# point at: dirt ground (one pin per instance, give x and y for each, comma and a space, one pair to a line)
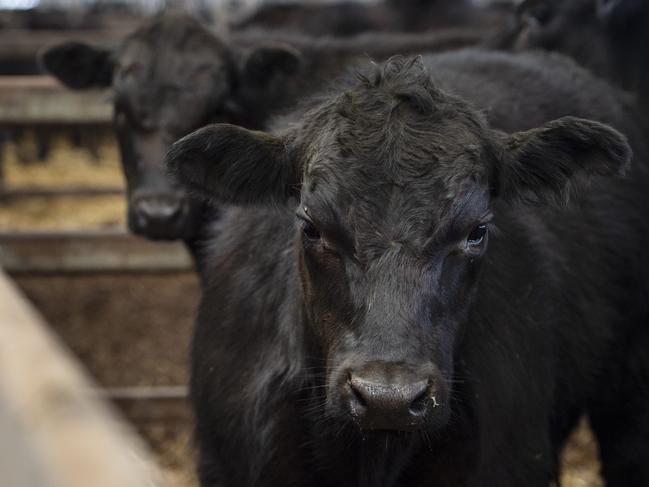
134, 329
128, 329
172, 445
580, 463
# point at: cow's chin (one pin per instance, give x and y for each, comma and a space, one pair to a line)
390, 440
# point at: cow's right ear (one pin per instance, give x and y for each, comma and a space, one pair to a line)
550, 163
234, 165
79, 66
266, 62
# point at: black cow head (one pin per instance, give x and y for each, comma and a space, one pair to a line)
396, 182
173, 75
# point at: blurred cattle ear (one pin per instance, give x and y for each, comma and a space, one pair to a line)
549, 163
79, 66
234, 165
267, 61
619, 12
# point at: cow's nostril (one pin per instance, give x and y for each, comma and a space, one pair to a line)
419, 404
159, 208
357, 401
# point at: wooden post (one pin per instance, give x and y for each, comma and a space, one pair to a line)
54, 432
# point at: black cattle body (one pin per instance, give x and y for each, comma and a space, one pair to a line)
174, 75
403, 295
608, 37
352, 18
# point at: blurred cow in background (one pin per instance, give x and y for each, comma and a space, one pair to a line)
610, 37
349, 18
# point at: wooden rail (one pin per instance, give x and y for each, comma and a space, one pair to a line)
41, 100
28, 43
89, 252
52, 433
68, 191
144, 404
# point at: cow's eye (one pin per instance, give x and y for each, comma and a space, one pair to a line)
477, 236
310, 232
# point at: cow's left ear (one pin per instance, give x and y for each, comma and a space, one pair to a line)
79, 66
547, 164
265, 62
234, 165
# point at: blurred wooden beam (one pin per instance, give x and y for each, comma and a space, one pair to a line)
151, 403
74, 191
89, 252
28, 43
33, 100
53, 433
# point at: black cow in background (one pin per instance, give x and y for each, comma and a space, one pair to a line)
422, 15
350, 18
402, 296
610, 37
174, 75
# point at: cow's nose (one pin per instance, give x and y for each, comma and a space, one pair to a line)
158, 215
158, 207
389, 406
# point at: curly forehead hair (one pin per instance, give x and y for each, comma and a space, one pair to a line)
395, 115
402, 82
174, 28
399, 80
